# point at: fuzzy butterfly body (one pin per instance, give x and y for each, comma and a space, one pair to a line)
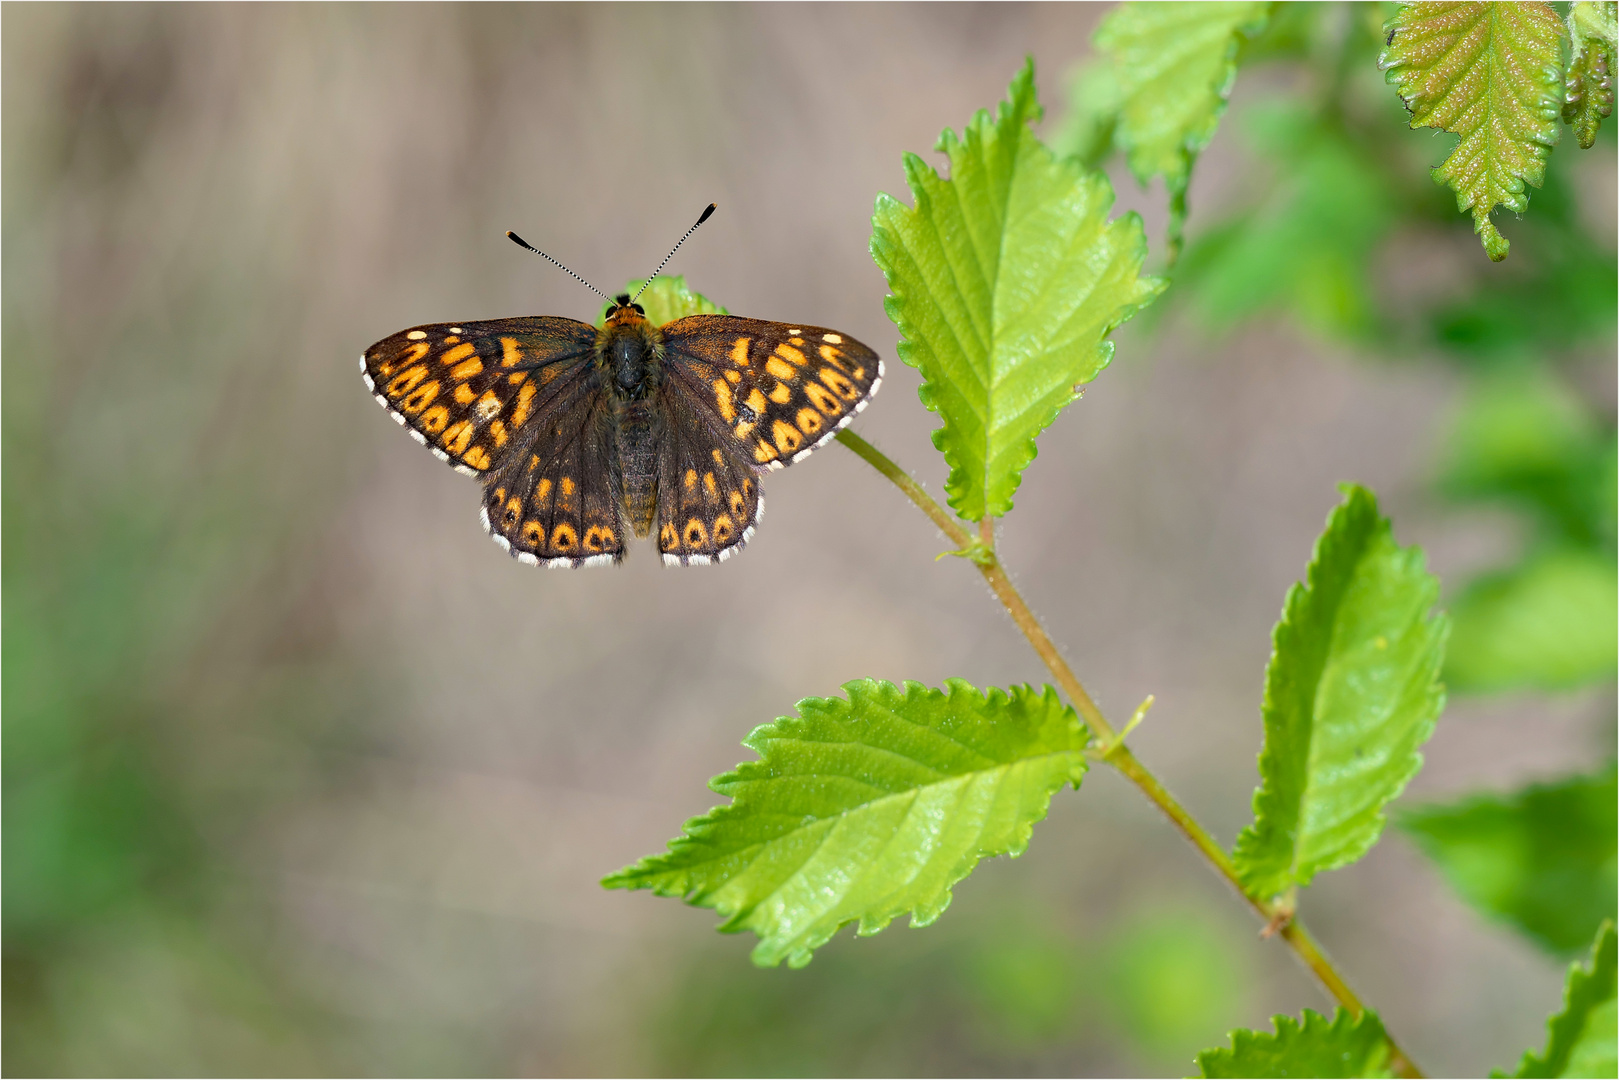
585, 436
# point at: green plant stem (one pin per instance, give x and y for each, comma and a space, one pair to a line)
1278, 915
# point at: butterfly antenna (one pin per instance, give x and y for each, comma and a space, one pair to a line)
520, 242
672, 251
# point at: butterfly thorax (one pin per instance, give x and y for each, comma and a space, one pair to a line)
629, 352
629, 355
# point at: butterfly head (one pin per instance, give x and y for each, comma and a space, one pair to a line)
625, 311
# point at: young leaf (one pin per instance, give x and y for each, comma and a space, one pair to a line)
1347, 1046
1541, 859
1588, 93
1351, 692
1005, 279
1173, 66
868, 808
1580, 1040
1492, 74
1086, 134
668, 299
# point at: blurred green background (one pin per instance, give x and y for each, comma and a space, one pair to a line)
302, 775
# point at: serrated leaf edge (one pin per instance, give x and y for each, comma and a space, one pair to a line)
634, 877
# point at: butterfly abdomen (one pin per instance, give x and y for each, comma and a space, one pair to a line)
637, 426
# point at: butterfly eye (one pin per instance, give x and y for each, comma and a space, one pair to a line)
639, 310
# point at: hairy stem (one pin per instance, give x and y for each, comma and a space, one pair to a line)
1278, 915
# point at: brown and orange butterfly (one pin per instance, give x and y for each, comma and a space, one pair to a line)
583, 436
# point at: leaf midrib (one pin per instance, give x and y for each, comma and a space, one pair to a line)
832, 819
912, 794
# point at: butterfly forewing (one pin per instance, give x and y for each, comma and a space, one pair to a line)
776, 390
555, 501
466, 390
708, 496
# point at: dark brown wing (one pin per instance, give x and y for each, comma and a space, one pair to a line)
466, 390
555, 501
776, 390
708, 495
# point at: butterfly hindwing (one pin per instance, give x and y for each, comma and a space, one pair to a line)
555, 501
466, 390
778, 389
708, 496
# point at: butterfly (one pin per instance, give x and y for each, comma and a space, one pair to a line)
583, 437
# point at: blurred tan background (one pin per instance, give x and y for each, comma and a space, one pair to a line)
304, 775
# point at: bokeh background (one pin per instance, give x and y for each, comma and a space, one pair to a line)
303, 775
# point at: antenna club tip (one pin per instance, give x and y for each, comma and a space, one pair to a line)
706, 214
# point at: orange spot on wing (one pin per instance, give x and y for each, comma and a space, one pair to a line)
406, 381
542, 492
599, 538
763, 452
722, 399
787, 437
510, 354
839, 385
780, 370
411, 354
756, 400
464, 394
419, 399
563, 537
711, 487
468, 369
723, 530
533, 533
822, 398
458, 437
809, 421
690, 479
781, 393
497, 431
832, 356
739, 351
694, 534
477, 457
790, 354
434, 419
457, 354
525, 399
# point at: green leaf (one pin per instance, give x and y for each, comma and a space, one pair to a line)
1086, 134
1521, 437
1173, 67
1549, 624
1588, 89
1351, 692
1308, 247
1580, 1040
1541, 859
868, 808
1492, 74
1347, 1046
1006, 280
668, 299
